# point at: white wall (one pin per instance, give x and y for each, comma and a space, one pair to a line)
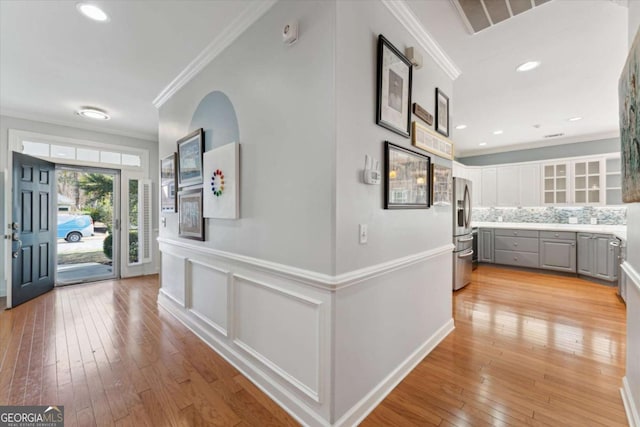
381, 322
632, 375
7, 123
284, 102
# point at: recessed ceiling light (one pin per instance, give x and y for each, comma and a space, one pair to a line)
93, 113
575, 119
92, 11
482, 144
528, 66
498, 132
461, 127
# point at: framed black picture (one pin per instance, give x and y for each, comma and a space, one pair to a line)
407, 183
190, 149
190, 220
394, 89
169, 198
442, 113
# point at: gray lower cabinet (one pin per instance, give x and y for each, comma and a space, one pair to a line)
516, 247
485, 245
558, 251
596, 258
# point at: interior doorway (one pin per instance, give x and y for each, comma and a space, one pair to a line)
87, 218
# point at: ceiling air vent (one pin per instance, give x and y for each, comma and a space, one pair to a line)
480, 14
554, 135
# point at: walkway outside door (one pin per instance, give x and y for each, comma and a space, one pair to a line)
33, 228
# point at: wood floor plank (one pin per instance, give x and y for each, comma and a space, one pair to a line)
528, 350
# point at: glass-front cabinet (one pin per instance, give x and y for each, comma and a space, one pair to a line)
587, 182
556, 183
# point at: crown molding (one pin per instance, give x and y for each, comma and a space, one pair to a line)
43, 118
228, 35
409, 20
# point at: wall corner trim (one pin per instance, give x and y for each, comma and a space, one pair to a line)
633, 274
238, 26
360, 410
408, 19
629, 407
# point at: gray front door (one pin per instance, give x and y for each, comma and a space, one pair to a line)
33, 228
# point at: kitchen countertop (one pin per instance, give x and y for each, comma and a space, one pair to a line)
620, 231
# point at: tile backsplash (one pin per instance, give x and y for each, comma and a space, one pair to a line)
553, 215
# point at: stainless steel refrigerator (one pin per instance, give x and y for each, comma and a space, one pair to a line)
462, 233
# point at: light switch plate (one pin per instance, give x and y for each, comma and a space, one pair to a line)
364, 234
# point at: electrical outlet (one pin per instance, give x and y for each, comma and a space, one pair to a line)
364, 234
573, 220
499, 219
594, 221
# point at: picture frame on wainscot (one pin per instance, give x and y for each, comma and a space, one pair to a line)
191, 219
395, 74
190, 149
407, 178
442, 113
168, 199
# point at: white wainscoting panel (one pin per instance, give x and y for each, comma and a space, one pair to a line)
209, 294
281, 329
631, 383
173, 277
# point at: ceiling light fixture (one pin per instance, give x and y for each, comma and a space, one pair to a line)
461, 127
482, 144
575, 119
498, 132
92, 11
528, 66
93, 113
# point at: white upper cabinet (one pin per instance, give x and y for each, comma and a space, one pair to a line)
475, 176
588, 182
555, 183
529, 179
508, 185
489, 186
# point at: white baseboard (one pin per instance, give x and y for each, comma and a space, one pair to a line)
629, 406
294, 406
360, 410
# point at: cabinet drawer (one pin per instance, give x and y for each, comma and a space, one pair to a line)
520, 259
516, 232
561, 235
520, 244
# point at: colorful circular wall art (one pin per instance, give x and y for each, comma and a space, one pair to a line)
217, 182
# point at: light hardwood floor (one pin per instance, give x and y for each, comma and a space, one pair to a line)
528, 349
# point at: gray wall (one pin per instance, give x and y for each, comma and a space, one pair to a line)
586, 148
284, 103
392, 233
7, 123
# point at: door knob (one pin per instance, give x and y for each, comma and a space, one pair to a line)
15, 226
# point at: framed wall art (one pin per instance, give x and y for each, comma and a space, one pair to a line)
190, 220
222, 189
629, 110
428, 140
394, 89
190, 150
168, 200
442, 113
442, 190
407, 182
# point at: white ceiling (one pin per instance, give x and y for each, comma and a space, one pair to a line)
582, 45
54, 60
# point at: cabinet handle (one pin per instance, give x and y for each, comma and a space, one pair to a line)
515, 233
556, 235
515, 244
515, 258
